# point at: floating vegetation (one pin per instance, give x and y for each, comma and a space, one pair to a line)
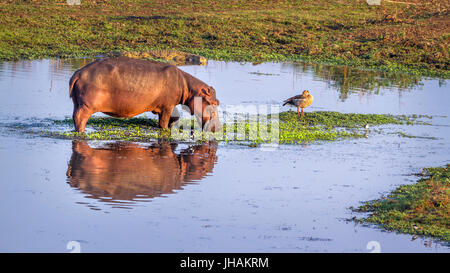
402, 134
251, 131
263, 74
422, 208
114, 122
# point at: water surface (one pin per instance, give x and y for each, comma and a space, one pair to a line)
161, 197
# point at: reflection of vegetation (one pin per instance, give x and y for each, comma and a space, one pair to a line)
313, 126
57, 67
346, 79
422, 208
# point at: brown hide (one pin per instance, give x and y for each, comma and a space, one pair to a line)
125, 87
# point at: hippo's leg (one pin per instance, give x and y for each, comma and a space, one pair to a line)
174, 117
164, 118
80, 118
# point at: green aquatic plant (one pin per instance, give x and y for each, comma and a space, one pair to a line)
116, 122
402, 134
336, 119
288, 129
422, 208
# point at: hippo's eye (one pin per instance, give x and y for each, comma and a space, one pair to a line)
206, 91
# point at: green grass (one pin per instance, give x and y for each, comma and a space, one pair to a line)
422, 208
314, 126
115, 122
336, 119
390, 37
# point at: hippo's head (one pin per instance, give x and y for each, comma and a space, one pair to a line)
204, 106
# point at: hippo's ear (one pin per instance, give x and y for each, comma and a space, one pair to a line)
209, 96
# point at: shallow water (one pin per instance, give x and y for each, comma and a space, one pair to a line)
131, 197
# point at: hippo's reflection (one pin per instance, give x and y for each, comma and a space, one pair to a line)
121, 171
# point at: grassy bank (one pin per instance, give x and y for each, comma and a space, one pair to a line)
412, 37
422, 208
314, 126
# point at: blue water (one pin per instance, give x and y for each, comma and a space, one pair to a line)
152, 197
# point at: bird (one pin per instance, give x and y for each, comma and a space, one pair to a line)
301, 101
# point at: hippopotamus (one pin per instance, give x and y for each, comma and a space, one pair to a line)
125, 87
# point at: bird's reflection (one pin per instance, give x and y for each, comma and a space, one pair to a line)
121, 172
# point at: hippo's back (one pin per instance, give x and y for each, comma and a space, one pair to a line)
124, 87
124, 70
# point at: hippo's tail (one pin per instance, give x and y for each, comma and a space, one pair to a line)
72, 82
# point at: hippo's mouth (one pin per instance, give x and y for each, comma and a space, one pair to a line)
211, 122
212, 125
